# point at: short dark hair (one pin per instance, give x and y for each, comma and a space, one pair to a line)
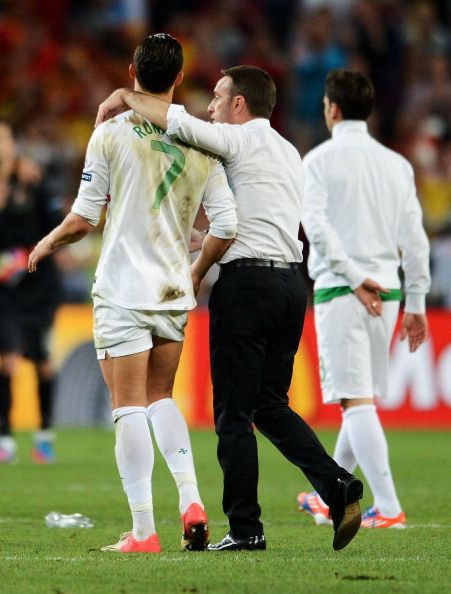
353, 92
158, 60
256, 86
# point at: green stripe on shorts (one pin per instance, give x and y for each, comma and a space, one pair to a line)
323, 295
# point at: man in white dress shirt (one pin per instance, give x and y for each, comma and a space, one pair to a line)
152, 187
258, 304
363, 220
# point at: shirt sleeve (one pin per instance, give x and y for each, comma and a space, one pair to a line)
219, 204
414, 246
95, 180
320, 232
225, 140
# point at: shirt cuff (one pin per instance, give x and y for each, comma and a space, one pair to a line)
92, 214
353, 275
174, 112
223, 233
415, 303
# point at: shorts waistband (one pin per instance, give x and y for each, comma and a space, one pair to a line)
258, 263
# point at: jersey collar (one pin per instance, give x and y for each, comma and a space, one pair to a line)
350, 126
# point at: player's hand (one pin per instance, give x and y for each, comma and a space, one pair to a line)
414, 327
369, 295
112, 106
41, 251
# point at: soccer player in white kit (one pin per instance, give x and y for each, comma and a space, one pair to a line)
363, 219
152, 188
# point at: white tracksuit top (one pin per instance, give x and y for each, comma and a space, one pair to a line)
362, 216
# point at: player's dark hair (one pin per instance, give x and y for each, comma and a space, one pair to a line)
256, 86
353, 92
158, 60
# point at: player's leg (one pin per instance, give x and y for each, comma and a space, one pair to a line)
124, 368
274, 417
287, 430
349, 340
36, 333
8, 447
170, 428
167, 422
241, 303
126, 379
365, 432
9, 358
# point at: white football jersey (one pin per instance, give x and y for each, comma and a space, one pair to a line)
153, 187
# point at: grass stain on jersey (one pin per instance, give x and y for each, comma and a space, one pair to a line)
187, 209
170, 293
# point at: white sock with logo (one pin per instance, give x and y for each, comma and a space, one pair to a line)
370, 449
172, 437
135, 458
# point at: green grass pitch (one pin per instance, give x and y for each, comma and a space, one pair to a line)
35, 559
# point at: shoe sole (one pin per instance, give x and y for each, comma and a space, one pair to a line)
349, 526
196, 539
352, 517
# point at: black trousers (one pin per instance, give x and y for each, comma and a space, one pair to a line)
256, 320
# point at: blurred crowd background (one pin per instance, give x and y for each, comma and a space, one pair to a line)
60, 59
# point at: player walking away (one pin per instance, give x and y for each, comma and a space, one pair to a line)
361, 212
152, 187
27, 304
258, 304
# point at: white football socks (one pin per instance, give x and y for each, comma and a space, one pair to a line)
343, 454
368, 443
172, 438
135, 458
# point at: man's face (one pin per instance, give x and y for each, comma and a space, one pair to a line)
220, 109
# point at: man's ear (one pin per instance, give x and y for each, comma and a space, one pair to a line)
335, 111
132, 71
179, 79
239, 104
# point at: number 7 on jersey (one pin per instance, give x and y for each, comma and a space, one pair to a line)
172, 173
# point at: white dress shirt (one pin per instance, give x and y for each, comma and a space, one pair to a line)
265, 173
362, 216
153, 187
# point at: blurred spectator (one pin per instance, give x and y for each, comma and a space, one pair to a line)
27, 303
424, 34
314, 53
378, 37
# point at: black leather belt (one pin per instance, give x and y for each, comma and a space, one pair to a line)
256, 262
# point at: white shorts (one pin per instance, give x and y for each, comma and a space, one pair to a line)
119, 331
353, 348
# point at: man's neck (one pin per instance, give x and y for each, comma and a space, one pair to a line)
167, 97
